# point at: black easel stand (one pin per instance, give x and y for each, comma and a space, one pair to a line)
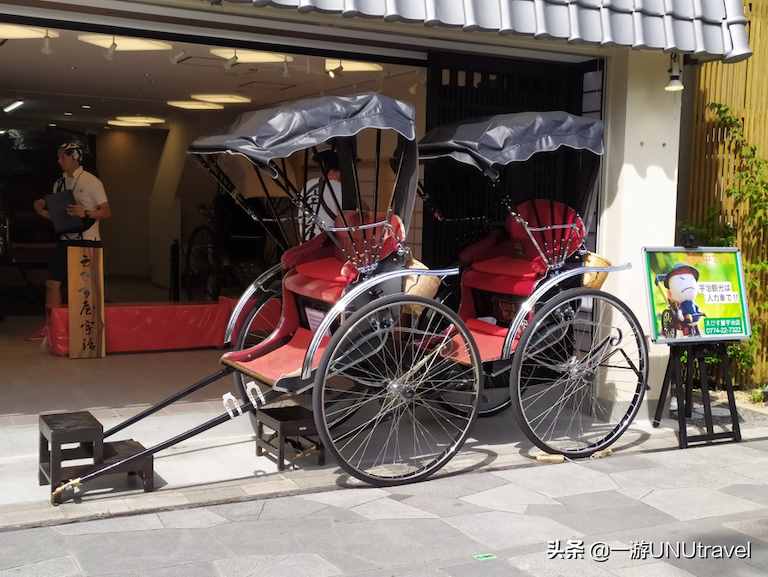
681, 375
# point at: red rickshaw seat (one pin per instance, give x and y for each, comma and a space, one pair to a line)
505, 275
284, 361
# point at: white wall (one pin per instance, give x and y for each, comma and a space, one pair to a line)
640, 178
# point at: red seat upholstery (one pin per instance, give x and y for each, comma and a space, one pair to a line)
283, 361
329, 269
317, 289
324, 279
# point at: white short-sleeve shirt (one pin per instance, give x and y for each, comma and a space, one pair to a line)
331, 199
89, 193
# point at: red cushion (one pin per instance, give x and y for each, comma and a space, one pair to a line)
476, 325
489, 344
329, 269
496, 283
510, 266
321, 290
282, 361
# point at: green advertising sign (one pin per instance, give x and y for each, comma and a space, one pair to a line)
696, 294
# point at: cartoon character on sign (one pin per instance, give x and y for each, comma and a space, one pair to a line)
683, 314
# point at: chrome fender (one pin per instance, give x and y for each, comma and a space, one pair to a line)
264, 278
530, 302
341, 306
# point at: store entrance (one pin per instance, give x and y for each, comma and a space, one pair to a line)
463, 87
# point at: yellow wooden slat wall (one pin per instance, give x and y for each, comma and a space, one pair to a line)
744, 88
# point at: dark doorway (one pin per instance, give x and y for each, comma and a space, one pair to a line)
462, 87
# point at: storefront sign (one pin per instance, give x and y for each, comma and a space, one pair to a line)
696, 294
86, 302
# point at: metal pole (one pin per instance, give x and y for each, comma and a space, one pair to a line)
114, 467
168, 400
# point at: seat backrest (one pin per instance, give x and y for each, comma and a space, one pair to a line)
555, 227
365, 247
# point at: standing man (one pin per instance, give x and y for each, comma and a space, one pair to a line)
90, 205
328, 203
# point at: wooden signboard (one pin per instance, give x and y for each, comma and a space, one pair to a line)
85, 279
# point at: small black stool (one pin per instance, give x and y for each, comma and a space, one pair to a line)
293, 423
83, 428
67, 428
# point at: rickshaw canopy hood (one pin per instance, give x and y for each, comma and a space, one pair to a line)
275, 133
489, 142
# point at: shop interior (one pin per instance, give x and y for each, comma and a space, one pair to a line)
137, 104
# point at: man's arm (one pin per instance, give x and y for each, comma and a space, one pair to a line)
99, 213
39, 206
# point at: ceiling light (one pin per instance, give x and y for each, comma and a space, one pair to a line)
127, 124
141, 119
123, 43
67, 114
110, 55
222, 98
52, 124
46, 50
232, 62
251, 56
194, 105
179, 58
2, 132
14, 32
13, 106
334, 72
352, 65
85, 106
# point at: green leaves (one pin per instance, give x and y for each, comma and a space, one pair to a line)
748, 188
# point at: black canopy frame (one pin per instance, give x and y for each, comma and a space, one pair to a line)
267, 138
490, 144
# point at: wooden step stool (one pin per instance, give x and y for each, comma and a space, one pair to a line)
85, 430
287, 422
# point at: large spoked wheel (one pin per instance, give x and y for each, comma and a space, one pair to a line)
397, 390
260, 322
579, 373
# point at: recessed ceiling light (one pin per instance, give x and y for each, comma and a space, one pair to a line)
195, 105
15, 32
222, 98
251, 56
123, 43
142, 119
2, 131
86, 106
67, 114
127, 124
13, 106
52, 124
351, 65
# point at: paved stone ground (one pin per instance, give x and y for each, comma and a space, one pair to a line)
716, 495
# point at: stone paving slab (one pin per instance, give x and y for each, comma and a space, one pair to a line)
654, 463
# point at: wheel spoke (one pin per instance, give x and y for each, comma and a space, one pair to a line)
569, 395
403, 406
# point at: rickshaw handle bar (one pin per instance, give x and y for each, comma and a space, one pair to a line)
530, 302
202, 383
348, 298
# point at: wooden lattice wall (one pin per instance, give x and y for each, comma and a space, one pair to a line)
743, 87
